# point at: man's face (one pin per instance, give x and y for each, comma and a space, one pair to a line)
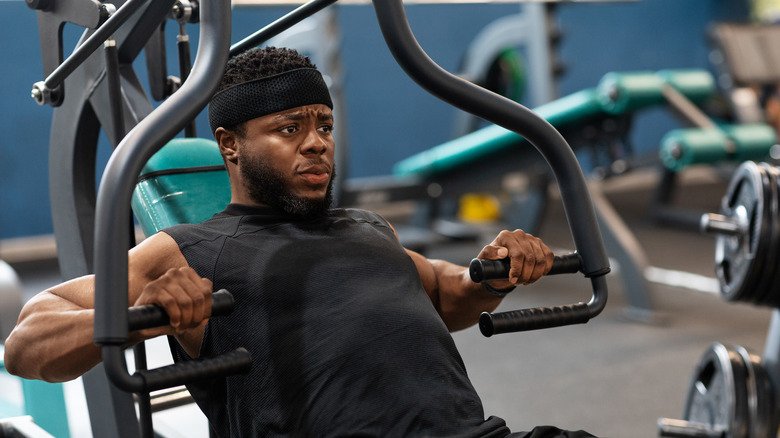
286, 159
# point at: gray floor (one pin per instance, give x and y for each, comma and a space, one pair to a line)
613, 376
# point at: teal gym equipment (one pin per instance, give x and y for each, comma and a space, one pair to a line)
171, 186
617, 94
43, 402
681, 148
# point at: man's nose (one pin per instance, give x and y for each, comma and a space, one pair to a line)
314, 143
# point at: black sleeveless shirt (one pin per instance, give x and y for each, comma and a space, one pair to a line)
344, 340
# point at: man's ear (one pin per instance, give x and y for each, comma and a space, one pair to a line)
228, 144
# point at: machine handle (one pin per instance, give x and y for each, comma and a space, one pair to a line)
151, 315
238, 361
481, 269
533, 319
577, 202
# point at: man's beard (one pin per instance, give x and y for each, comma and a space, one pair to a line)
268, 186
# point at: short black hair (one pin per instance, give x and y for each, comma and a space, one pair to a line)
261, 62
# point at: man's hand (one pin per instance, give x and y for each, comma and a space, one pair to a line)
185, 297
529, 257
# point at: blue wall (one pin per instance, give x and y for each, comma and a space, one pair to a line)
389, 116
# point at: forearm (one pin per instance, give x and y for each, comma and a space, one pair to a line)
51, 344
459, 300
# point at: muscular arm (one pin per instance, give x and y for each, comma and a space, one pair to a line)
459, 300
52, 339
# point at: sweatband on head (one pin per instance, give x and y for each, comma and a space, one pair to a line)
268, 95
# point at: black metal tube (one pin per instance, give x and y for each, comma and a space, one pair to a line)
511, 115
116, 369
144, 400
183, 44
82, 52
599, 299
115, 104
114, 91
185, 64
121, 173
285, 22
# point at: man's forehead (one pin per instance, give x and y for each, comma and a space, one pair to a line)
318, 110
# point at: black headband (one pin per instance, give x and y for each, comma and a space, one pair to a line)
268, 95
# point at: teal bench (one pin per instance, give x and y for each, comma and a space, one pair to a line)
184, 182
616, 94
681, 148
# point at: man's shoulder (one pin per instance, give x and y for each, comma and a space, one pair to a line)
359, 214
210, 229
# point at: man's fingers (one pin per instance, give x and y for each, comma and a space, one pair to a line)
199, 291
171, 307
493, 252
183, 294
185, 304
530, 258
540, 267
520, 255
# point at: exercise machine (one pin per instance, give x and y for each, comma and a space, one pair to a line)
94, 90
748, 72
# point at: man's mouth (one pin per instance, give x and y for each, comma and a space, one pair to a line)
315, 175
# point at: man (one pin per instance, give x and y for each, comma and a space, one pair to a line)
348, 331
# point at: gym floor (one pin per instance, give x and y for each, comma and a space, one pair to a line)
614, 376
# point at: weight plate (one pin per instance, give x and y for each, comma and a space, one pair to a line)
774, 289
764, 292
717, 396
738, 258
760, 398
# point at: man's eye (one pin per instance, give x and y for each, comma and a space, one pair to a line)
326, 128
289, 129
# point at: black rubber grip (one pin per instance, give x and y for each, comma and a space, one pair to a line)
237, 361
533, 319
150, 315
482, 269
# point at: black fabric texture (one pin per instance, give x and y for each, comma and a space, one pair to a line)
268, 95
343, 338
551, 432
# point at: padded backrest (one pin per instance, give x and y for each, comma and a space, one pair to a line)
750, 51
184, 182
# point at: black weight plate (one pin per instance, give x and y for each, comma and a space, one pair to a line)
760, 397
764, 293
717, 396
738, 258
774, 288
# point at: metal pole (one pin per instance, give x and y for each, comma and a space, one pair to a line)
92, 43
279, 26
119, 177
